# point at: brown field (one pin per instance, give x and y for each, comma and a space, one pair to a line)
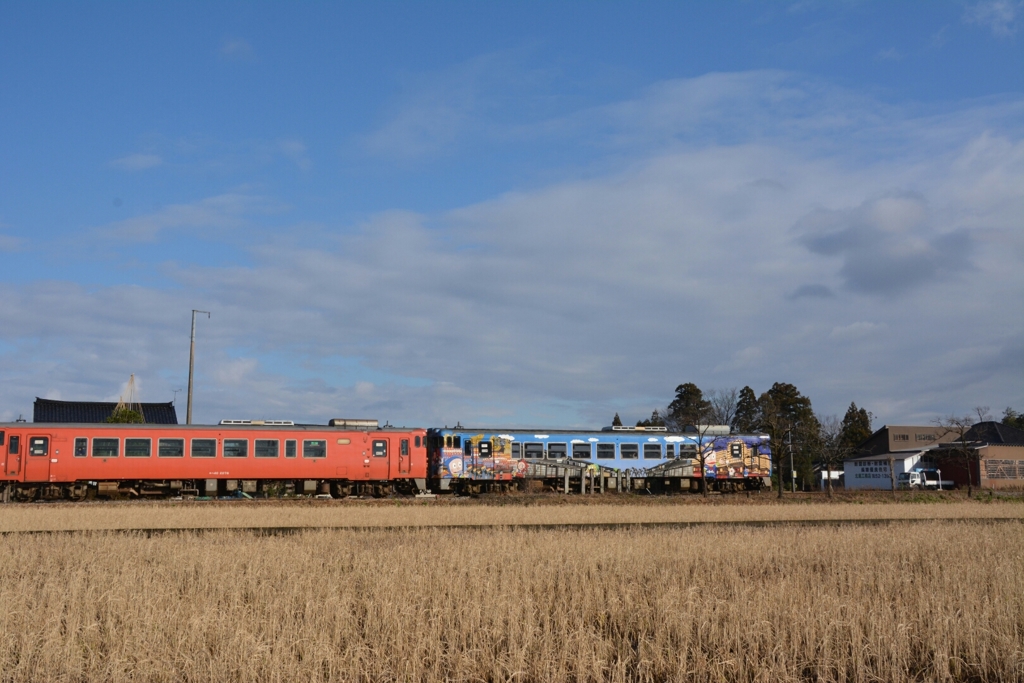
927, 601
511, 510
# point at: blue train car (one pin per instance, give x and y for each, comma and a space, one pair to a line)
461, 457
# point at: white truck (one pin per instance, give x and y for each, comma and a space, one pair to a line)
921, 479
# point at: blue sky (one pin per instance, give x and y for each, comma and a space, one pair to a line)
520, 213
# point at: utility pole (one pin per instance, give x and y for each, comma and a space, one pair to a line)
191, 364
792, 470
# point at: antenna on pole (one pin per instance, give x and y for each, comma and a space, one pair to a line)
191, 364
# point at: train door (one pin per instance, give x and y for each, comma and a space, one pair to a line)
37, 464
13, 450
378, 465
404, 456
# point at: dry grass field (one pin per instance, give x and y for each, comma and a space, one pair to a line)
929, 601
520, 511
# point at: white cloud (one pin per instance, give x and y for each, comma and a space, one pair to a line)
137, 162
890, 54
999, 16
237, 50
10, 243
854, 331
221, 212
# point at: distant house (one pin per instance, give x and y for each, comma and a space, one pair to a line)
998, 457
46, 410
910, 448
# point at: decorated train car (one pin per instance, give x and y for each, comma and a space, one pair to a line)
236, 457
464, 459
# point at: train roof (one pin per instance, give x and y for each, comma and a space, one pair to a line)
603, 432
221, 427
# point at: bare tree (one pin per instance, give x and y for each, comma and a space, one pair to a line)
962, 448
704, 450
723, 405
982, 413
834, 447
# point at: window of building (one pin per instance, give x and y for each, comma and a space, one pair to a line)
581, 451
924, 437
516, 452
204, 448
81, 447
901, 437
137, 448
629, 451
380, 448
652, 451
170, 448
236, 448
605, 451
290, 446
534, 450
266, 448
557, 450
670, 450
317, 448
105, 448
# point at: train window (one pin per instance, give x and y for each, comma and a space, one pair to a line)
581, 450
404, 447
485, 449
629, 451
516, 452
417, 442
105, 448
456, 442
557, 450
468, 449
170, 448
314, 448
289, 448
137, 448
236, 448
204, 448
380, 449
14, 445
39, 445
605, 451
533, 450
1, 437
266, 448
652, 451
447, 442
753, 451
670, 450
81, 447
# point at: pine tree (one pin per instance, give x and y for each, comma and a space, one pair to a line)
747, 417
1011, 418
856, 426
689, 406
616, 421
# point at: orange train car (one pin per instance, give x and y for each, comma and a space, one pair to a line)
79, 461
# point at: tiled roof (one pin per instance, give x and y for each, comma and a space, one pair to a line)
996, 433
47, 410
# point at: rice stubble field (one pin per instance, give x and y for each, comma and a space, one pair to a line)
923, 601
